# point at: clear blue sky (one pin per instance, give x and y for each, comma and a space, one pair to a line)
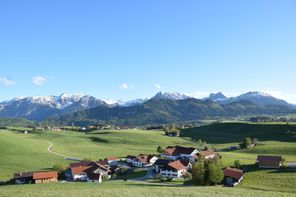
130, 49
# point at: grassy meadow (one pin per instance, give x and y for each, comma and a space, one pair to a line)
21, 152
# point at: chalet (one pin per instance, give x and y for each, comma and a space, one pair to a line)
232, 176
160, 164
79, 173
144, 161
130, 158
35, 177
208, 154
173, 170
269, 161
96, 169
178, 152
93, 172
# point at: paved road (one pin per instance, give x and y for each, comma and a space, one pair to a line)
49, 149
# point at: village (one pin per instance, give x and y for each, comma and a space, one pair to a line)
172, 163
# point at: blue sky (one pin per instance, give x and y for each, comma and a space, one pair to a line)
130, 49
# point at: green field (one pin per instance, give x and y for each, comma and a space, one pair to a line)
21, 152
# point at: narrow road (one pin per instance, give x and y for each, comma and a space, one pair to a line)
49, 149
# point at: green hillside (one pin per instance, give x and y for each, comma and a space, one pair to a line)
222, 133
20, 152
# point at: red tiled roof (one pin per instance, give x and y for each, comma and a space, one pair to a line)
233, 173
207, 153
177, 165
79, 170
80, 164
177, 150
112, 158
45, 175
273, 161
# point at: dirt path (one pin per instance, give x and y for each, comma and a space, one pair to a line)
49, 149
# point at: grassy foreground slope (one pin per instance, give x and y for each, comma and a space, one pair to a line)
21, 152
130, 189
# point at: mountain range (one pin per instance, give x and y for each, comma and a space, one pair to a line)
160, 109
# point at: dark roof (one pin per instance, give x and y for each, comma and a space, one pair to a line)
95, 167
233, 173
162, 162
273, 161
23, 175
185, 162
177, 150
130, 157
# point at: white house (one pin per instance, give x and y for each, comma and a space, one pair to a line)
142, 160
208, 154
173, 170
79, 173
179, 152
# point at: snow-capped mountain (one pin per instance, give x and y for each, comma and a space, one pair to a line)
41, 107
258, 98
114, 103
170, 96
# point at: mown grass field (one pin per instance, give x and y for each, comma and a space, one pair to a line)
130, 189
20, 152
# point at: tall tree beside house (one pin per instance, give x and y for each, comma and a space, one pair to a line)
214, 173
198, 172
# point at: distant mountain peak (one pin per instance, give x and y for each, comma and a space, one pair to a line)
170, 96
217, 97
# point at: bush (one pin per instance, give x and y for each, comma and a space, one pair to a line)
237, 163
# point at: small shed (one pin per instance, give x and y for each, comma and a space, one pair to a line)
232, 176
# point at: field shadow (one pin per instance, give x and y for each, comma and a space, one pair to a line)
283, 170
98, 140
221, 133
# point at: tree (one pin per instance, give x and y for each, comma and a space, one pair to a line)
215, 173
283, 161
60, 168
237, 164
187, 176
255, 141
198, 172
246, 143
160, 149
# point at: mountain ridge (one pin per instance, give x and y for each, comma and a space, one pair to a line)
43, 107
